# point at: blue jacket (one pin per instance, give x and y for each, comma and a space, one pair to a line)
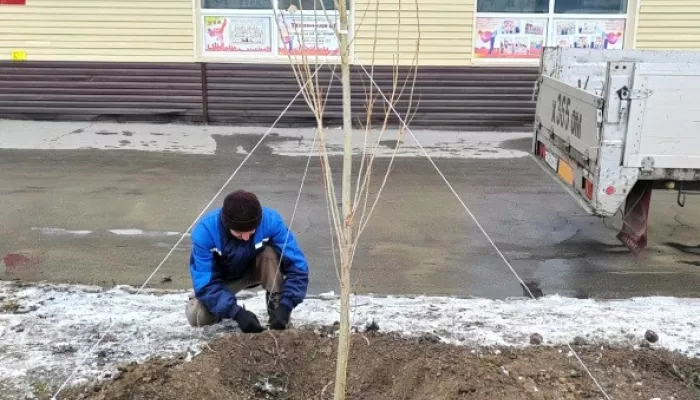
217, 257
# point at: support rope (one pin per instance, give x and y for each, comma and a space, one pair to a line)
449, 185
182, 237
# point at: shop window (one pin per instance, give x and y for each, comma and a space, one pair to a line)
513, 6
245, 28
509, 38
590, 6
520, 29
598, 34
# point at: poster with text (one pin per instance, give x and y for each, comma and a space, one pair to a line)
589, 33
509, 37
237, 35
308, 34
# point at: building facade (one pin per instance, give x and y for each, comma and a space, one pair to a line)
227, 61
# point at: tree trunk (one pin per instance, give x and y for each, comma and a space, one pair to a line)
344, 337
347, 222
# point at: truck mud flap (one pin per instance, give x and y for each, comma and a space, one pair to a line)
636, 215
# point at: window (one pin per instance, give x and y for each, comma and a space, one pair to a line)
245, 28
520, 29
513, 6
590, 6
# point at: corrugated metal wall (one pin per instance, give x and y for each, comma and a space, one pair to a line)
104, 30
446, 31
668, 24
86, 91
448, 97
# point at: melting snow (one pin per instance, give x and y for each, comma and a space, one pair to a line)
61, 231
57, 324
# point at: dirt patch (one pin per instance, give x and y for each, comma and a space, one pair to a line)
300, 364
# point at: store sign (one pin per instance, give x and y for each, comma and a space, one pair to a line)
509, 37
310, 35
237, 34
13, 2
589, 33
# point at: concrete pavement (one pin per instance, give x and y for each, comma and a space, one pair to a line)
81, 211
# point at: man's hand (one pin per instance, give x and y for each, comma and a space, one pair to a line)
248, 322
280, 318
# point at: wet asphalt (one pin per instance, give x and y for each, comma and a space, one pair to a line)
419, 240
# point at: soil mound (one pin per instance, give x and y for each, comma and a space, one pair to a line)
300, 365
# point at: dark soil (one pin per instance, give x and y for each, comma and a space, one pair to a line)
300, 365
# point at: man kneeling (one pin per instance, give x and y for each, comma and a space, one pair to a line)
236, 247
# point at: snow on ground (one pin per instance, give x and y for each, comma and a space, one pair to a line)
199, 139
47, 329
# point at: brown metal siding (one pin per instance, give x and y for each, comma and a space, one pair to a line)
448, 97
95, 91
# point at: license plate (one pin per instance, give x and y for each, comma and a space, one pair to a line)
552, 160
566, 172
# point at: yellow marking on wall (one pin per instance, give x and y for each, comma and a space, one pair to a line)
18, 55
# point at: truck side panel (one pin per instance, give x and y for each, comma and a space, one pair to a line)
571, 114
664, 117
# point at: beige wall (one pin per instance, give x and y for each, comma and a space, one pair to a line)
445, 31
162, 30
668, 24
99, 30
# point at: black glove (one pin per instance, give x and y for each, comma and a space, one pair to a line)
248, 322
280, 318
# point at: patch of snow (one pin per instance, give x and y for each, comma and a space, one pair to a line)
126, 232
241, 150
194, 139
67, 320
61, 231
141, 232
328, 296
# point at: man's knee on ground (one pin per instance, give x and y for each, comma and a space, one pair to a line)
197, 313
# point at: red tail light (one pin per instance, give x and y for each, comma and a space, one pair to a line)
589, 188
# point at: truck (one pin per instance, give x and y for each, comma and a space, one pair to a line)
612, 126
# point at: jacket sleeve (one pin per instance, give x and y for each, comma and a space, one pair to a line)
208, 287
294, 265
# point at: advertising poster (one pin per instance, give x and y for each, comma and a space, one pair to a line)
509, 37
589, 33
311, 35
237, 35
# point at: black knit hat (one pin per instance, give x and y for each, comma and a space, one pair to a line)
242, 211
